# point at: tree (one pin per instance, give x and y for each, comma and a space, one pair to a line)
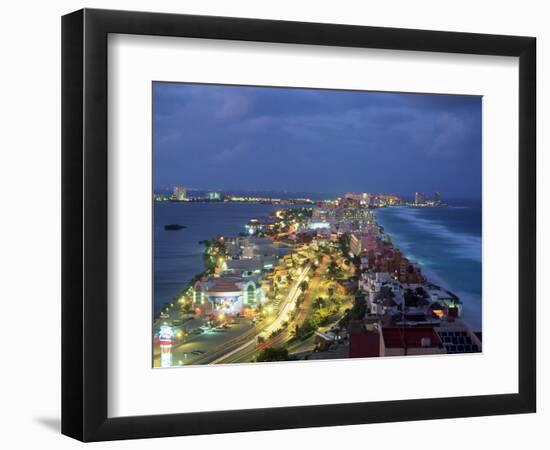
272, 354
307, 328
344, 243
333, 271
300, 300
304, 286
319, 302
187, 307
359, 309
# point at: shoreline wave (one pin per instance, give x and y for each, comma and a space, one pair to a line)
464, 245
443, 252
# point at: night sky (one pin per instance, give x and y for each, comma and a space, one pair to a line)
235, 138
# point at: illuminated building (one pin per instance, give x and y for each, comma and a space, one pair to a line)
392, 199
213, 196
166, 336
319, 225
354, 244
366, 198
437, 198
319, 215
446, 299
229, 294
352, 196
419, 198
256, 225
179, 193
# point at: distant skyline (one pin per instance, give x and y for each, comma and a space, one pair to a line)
238, 138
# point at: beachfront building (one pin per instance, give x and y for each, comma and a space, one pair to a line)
449, 304
179, 193
254, 254
379, 255
319, 225
419, 198
227, 295
249, 266
457, 337
376, 339
390, 199
403, 303
253, 246
383, 294
354, 244
255, 225
364, 344
319, 215
213, 196
364, 241
254, 267
398, 341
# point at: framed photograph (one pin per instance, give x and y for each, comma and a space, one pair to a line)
272, 224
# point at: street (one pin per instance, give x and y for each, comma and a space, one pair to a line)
238, 342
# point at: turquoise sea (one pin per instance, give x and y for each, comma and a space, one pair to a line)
446, 241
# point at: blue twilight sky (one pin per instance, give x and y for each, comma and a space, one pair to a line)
238, 138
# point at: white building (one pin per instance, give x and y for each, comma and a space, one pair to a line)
180, 193
228, 295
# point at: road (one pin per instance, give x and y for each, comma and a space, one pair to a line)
246, 351
305, 309
201, 349
224, 345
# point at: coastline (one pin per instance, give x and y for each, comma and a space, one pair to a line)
178, 256
468, 299
367, 260
440, 267
471, 301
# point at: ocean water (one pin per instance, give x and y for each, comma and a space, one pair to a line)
446, 241
178, 254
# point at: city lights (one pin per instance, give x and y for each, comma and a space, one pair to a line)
311, 229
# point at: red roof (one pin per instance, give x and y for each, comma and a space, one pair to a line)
410, 337
364, 345
222, 285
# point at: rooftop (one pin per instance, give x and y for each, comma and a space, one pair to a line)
411, 337
224, 285
364, 345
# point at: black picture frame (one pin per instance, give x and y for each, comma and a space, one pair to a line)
84, 224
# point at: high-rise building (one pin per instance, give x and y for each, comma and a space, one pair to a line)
366, 197
353, 196
213, 196
419, 198
179, 193
437, 197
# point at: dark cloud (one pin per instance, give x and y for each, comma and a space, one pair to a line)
311, 140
